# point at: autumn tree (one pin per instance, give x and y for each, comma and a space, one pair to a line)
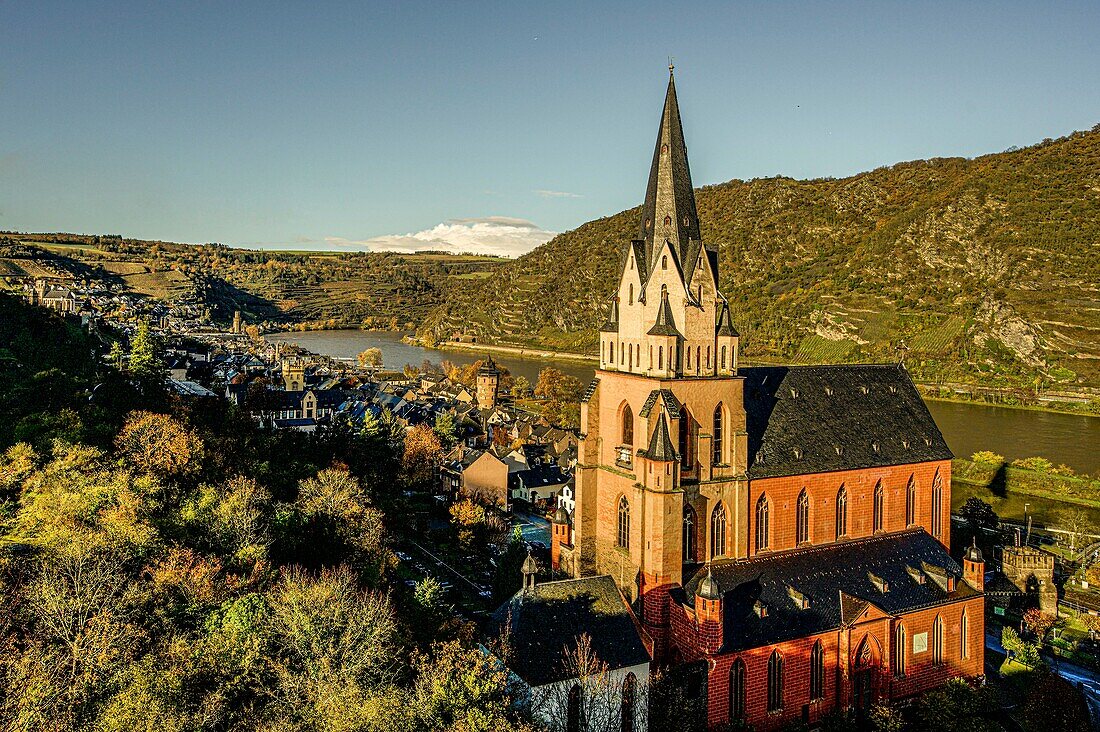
561, 395
1075, 526
159, 444
521, 387
446, 429
370, 358
342, 520
422, 456
1038, 622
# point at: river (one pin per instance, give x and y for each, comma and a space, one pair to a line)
1069, 439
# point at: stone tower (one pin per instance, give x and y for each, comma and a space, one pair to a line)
294, 374
663, 423
488, 384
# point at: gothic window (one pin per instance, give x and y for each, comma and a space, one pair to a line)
687, 441
664, 261
841, 512
716, 443
937, 505
802, 529
877, 519
689, 534
573, 716
708, 357
668, 220
622, 355
964, 640
632, 256
762, 527
626, 712
937, 641
628, 426
817, 672
624, 523
737, 690
911, 502
611, 353
723, 357
899, 651
689, 357
718, 531
630, 295
775, 682
660, 357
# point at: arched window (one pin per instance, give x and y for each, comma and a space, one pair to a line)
687, 440
841, 512
624, 523
762, 527
627, 426
626, 713
723, 357
911, 501
664, 259
718, 531
877, 517
630, 294
802, 518
611, 353
937, 505
937, 641
737, 690
719, 448
689, 534
573, 716
708, 357
775, 682
899, 651
660, 357
964, 636
817, 672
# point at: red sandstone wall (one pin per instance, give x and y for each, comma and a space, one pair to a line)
822, 489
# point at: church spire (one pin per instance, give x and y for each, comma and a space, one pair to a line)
669, 210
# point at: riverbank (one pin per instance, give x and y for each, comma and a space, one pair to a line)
1012, 490
521, 351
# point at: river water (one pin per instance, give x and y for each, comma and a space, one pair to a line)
1015, 433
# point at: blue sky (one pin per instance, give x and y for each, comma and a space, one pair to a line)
330, 125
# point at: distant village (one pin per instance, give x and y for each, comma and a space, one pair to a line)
502, 454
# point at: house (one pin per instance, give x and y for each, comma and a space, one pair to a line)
544, 622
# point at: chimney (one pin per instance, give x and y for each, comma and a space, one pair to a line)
974, 566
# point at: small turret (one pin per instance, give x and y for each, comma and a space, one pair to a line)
974, 566
560, 536
708, 613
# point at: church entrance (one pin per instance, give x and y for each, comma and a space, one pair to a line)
863, 691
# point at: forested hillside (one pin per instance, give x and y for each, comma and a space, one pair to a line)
970, 268
371, 289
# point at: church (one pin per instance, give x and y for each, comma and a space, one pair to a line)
783, 531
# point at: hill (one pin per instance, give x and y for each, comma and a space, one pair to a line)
382, 290
984, 269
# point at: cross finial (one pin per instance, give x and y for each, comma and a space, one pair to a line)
670, 66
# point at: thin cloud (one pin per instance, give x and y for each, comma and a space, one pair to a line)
556, 194
499, 235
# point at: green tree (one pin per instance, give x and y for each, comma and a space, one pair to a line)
957, 707
978, 514
446, 429
147, 355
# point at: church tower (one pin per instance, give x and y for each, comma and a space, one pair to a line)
661, 478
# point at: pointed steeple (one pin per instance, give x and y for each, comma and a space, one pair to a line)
725, 323
669, 210
665, 325
612, 324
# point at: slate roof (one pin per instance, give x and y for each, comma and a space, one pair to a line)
837, 580
590, 391
671, 403
665, 324
725, 322
817, 419
547, 621
612, 323
660, 443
